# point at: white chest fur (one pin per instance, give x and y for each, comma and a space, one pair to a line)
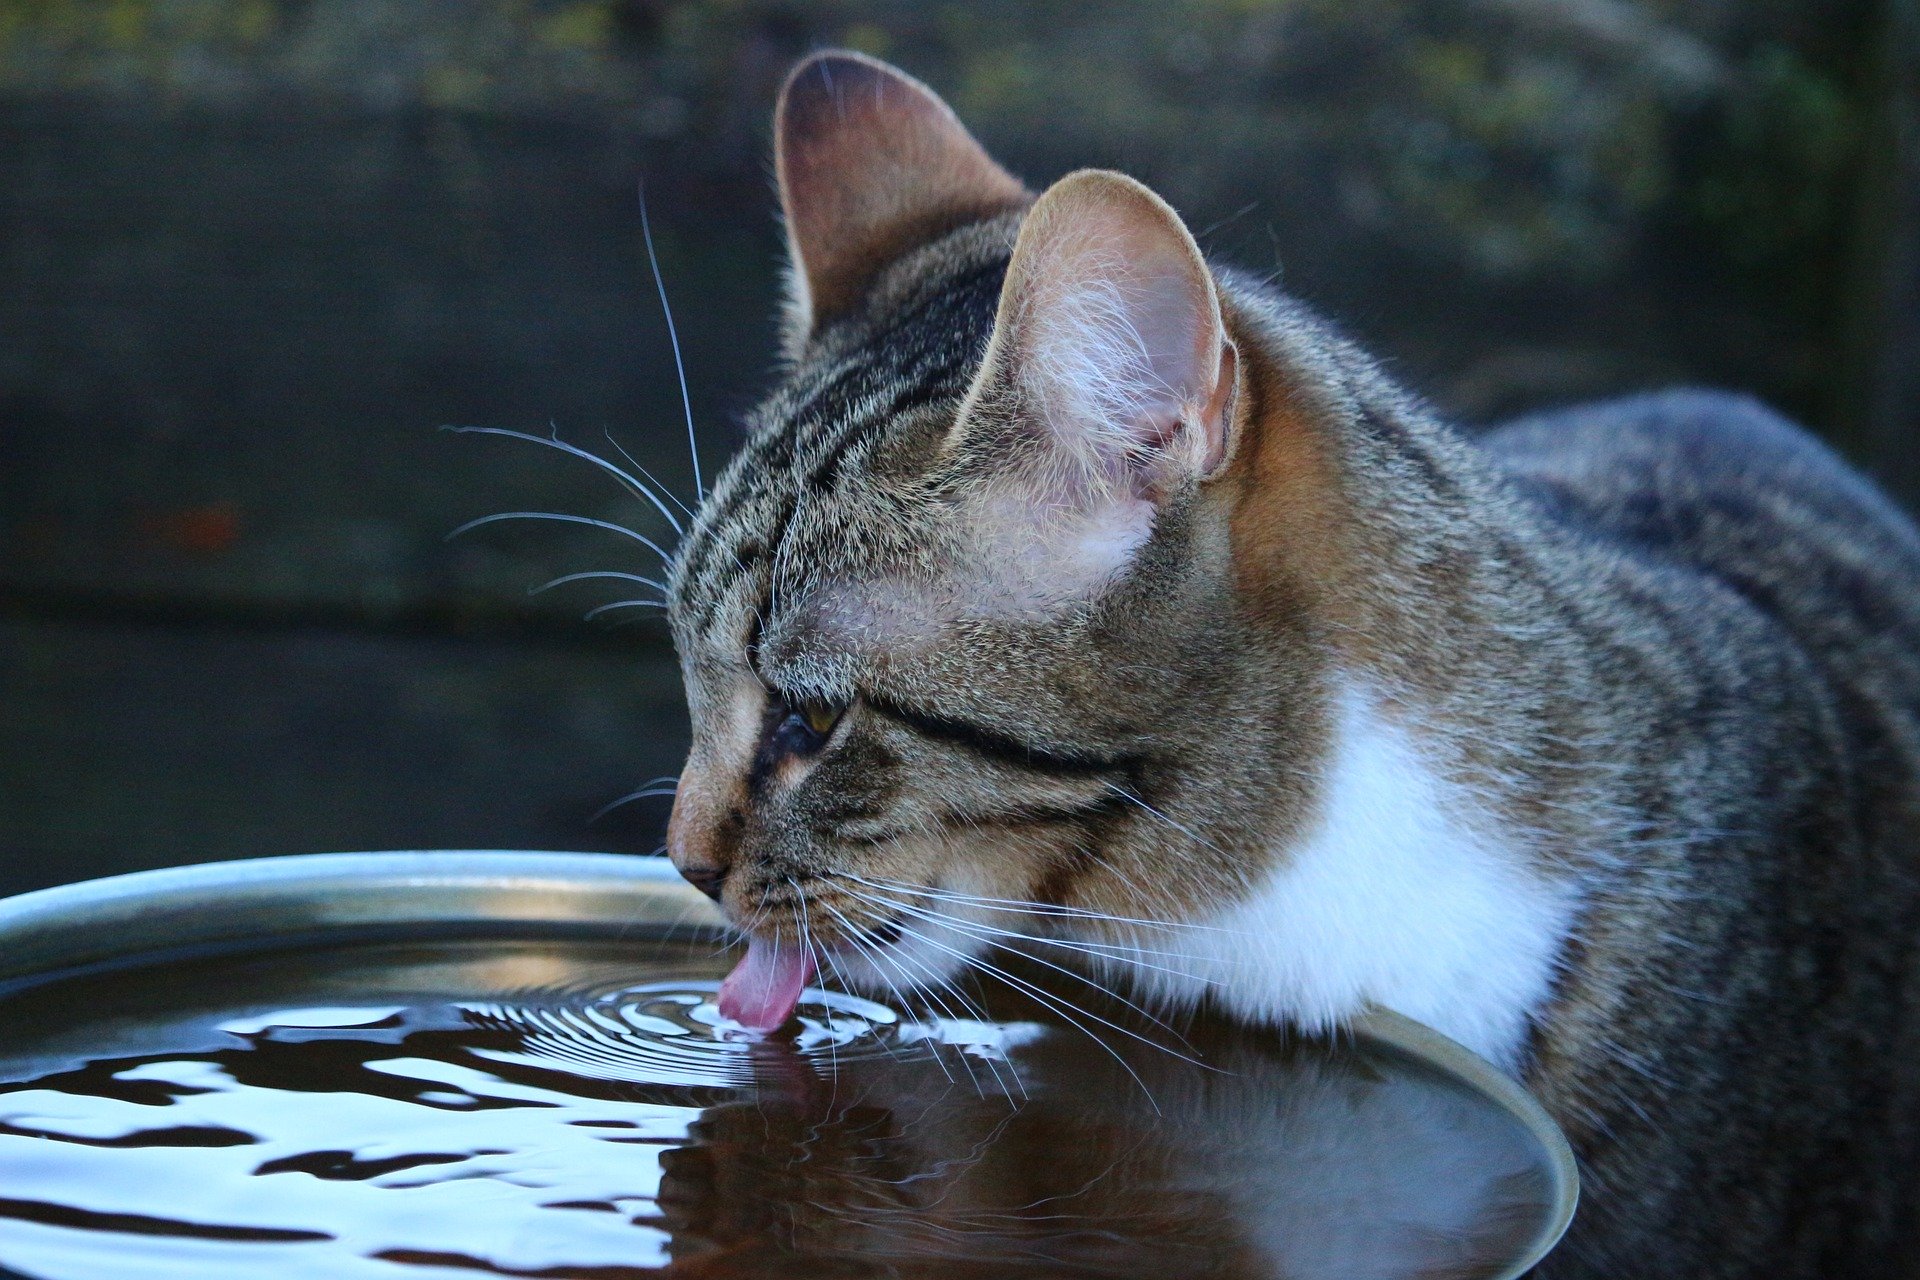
1401, 896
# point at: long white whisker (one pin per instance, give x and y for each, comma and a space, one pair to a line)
931, 984
1024, 907
564, 579
1186, 831
591, 614
1113, 951
651, 478
1108, 950
1017, 906
874, 957
625, 622
833, 962
877, 953
673, 337
933, 979
608, 525
629, 798
961, 926
1059, 1005
1089, 946
632, 485
809, 948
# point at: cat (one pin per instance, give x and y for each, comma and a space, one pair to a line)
1071, 586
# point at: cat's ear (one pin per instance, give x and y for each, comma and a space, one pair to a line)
871, 163
1107, 388
1109, 352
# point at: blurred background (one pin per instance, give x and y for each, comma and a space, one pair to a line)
253, 253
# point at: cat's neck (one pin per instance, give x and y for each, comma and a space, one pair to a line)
1442, 871
1405, 893
1431, 582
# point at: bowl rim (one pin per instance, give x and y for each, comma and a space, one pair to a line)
283, 901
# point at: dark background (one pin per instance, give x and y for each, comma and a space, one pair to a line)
254, 252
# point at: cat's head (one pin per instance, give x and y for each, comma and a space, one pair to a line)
968, 617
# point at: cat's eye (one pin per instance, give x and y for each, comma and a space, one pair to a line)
801, 728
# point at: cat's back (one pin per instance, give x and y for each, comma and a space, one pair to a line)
1721, 484
1787, 588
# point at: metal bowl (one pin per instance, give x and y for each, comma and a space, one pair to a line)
274, 903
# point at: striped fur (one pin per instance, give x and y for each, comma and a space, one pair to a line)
1641, 695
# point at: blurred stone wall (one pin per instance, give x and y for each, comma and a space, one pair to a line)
254, 252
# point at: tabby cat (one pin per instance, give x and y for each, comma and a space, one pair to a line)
1065, 568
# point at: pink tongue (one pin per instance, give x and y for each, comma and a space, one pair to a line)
764, 988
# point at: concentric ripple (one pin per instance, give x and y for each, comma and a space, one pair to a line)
669, 1031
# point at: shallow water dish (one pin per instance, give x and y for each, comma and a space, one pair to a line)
438, 1065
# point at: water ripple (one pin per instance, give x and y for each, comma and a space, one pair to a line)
669, 1031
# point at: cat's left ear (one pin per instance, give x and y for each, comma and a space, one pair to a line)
1110, 363
871, 163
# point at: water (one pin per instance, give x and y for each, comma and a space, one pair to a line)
577, 1109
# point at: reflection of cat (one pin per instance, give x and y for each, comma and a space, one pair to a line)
1065, 568
1277, 1166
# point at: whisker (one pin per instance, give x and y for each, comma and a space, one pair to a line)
961, 926
972, 1012
1105, 950
1026, 907
1090, 946
593, 613
929, 987
808, 948
833, 962
933, 983
554, 441
649, 476
673, 338
685, 915
873, 954
651, 789
1113, 951
1060, 1005
564, 579
608, 525
1186, 831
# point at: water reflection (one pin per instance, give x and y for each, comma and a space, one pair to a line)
391, 1112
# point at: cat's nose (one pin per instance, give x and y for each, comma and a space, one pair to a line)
708, 880
695, 844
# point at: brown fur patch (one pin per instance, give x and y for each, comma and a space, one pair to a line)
1291, 552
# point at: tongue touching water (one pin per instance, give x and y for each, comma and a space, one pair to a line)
583, 1109
765, 987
